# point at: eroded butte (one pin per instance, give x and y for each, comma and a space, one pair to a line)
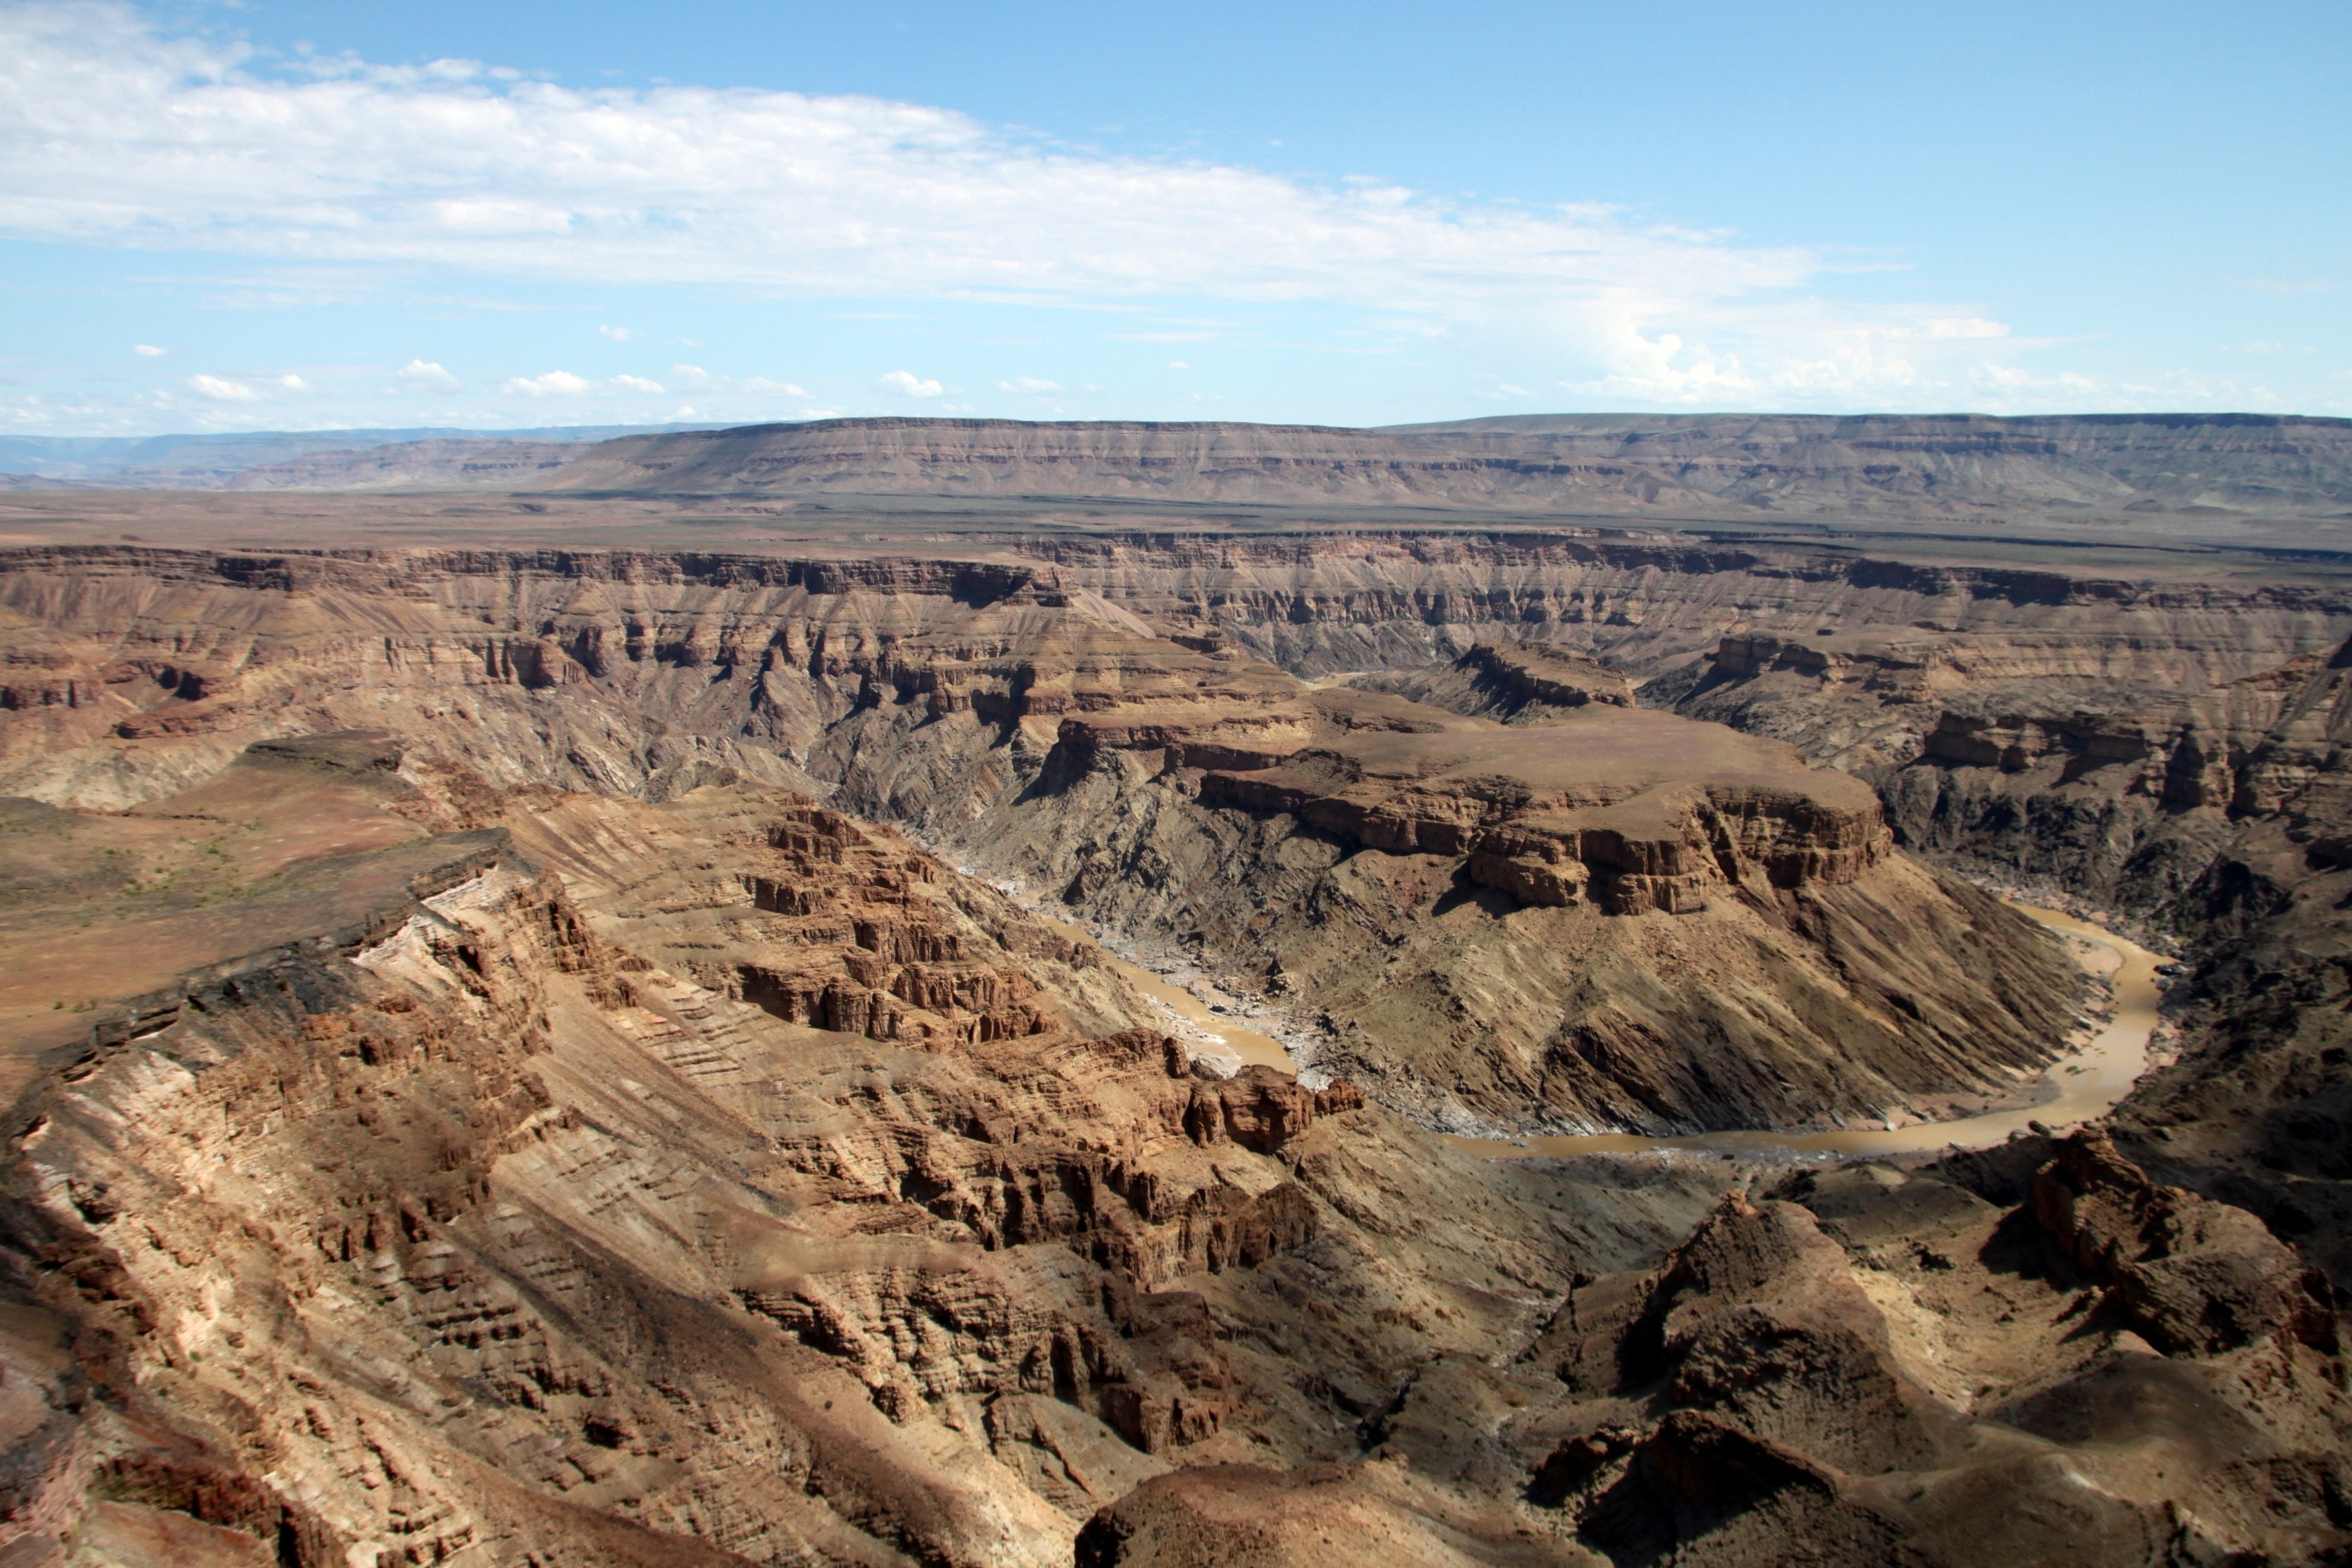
530, 1052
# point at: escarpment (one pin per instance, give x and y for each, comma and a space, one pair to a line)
1948, 466
1621, 918
626, 671
1468, 902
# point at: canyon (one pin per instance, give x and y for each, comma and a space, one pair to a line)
589, 1026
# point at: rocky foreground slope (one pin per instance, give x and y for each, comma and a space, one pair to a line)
632, 1160
716, 1173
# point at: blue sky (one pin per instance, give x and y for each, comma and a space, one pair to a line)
301, 215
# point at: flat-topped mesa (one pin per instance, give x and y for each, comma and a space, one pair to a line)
1557, 677
1517, 683
1196, 730
1626, 809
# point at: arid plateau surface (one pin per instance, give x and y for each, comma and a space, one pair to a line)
616, 1007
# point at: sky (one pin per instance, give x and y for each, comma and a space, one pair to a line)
306, 215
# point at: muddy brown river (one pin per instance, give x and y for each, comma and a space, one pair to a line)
2088, 1080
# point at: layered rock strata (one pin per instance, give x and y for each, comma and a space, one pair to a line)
1631, 811
1353, 840
713, 1177
1879, 465
2219, 471
1620, 919
2210, 814
623, 672
1519, 683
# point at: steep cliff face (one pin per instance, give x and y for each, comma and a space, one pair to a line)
1321, 602
507, 1234
2216, 471
1092, 718
1952, 463
2216, 815
624, 672
616, 673
1628, 810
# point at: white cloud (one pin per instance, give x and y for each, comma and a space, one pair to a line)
148, 350
1031, 386
905, 383
222, 390
554, 383
263, 389
636, 384
427, 376
113, 134
618, 334
1178, 365
695, 377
